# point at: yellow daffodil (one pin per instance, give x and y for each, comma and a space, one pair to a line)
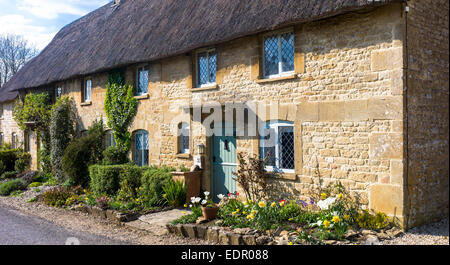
273, 204
250, 217
290, 219
254, 211
290, 243
234, 213
340, 196
326, 223
262, 204
346, 217
84, 191
185, 206
237, 210
336, 219
323, 195
183, 212
244, 212
282, 203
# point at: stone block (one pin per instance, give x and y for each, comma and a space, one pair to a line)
396, 172
201, 231
386, 146
356, 110
308, 111
212, 234
331, 111
191, 230
387, 199
387, 108
249, 240
387, 59
235, 239
224, 238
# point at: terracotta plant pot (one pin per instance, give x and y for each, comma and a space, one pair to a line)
210, 213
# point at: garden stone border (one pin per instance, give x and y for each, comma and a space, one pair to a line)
114, 216
216, 234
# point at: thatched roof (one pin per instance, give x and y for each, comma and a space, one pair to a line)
145, 30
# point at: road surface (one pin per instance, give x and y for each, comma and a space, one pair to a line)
19, 229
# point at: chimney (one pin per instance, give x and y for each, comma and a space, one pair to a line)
116, 3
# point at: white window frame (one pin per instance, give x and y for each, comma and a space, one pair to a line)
280, 63
141, 132
139, 69
58, 92
275, 125
184, 126
27, 141
2, 137
197, 66
87, 90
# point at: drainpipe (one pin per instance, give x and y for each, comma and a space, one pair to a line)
406, 118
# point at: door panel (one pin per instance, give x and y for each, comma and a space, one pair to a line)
223, 164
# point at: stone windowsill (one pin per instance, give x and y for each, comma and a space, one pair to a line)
205, 88
275, 79
184, 156
286, 176
87, 103
145, 96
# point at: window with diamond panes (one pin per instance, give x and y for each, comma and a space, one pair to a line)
184, 138
277, 146
58, 92
206, 68
142, 81
141, 148
278, 54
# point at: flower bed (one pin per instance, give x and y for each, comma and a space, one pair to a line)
332, 217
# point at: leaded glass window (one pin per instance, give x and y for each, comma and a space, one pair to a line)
58, 92
109, 139
142, 81
141, 148
1, 138
14, 141
277, 146
206, 68
184, 138
278, 54
87, 90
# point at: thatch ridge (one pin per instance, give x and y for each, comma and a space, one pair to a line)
146, 30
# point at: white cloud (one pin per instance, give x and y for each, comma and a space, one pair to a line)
51, 9
19, 25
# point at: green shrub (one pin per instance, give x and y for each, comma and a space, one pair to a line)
190, 218
81, 153
175, 193
105, 179
9, 175
42, 177
35, 185
23, 162
370, 221
290, 210
14, 185
130, 181
62, 130
153, 180
115, 156
8, 159
62, 196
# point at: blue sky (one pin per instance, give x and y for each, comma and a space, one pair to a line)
39, 20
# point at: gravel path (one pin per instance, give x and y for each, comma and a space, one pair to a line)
431, 234
75, 221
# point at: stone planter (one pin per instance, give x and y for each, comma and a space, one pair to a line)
210, 213
192, 181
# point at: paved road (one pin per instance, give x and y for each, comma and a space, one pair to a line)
19, 229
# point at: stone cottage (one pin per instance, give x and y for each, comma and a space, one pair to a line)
353, 91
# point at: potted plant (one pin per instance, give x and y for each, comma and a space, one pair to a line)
209, 208
191, 179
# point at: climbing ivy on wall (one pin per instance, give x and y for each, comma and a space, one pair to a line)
36, 108
120, 107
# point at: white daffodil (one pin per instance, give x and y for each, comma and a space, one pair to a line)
204, 202
206, 193
325, 204
192, 199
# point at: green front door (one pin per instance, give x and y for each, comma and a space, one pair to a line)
223, 161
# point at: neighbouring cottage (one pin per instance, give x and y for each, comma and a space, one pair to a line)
357, 91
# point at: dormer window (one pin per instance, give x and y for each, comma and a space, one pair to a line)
142, 81
206, 67
278, 54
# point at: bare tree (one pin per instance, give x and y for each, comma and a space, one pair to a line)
15, 52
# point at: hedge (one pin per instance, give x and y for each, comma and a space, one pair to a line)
107, 179
8, 159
